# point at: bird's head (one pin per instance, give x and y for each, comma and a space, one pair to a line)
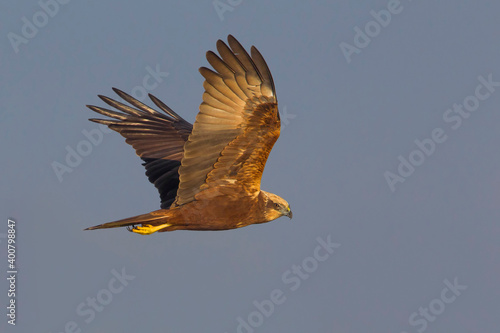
276, 207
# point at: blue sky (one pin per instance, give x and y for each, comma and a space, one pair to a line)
388, 156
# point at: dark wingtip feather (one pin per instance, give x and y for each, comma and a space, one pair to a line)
118, 91
164, 107
108, 113
103, 121
134, 102
262, 66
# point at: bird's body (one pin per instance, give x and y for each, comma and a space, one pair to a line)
208, 174
196, 216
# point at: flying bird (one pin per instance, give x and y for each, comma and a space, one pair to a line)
208, 174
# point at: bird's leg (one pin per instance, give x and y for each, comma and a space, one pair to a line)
147, 229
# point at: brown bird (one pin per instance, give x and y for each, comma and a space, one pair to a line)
208, 174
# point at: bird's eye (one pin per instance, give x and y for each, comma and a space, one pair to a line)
276, 205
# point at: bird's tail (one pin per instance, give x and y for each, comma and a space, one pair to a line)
156, 217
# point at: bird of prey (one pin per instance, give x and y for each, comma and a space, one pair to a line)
208, 174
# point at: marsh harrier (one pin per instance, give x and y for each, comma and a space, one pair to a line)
208, 174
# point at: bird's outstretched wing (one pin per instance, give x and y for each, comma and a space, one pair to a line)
236, 127
158, 138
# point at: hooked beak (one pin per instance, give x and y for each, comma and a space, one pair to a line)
289, 213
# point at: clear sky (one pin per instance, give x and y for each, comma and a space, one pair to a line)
388, 156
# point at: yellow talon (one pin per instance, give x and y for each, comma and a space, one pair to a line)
147, 229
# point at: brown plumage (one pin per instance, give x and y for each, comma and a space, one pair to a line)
208, 174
